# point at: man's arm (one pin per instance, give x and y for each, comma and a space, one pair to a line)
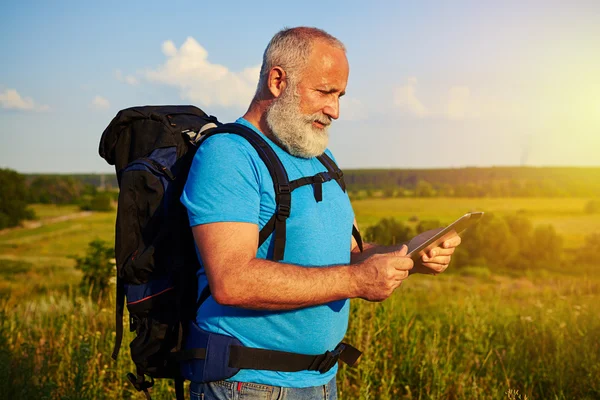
237, 278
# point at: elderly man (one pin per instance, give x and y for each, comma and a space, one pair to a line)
300, 304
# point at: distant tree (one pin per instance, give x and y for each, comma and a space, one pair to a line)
13, 195
424, 189
545, 248
388, 192
519, 226
589, 253
97, 266
446, 190
469, 189
491, 241
102, 201
428, 225
388, 231
53, 189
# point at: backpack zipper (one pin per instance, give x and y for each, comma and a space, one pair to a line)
156, 166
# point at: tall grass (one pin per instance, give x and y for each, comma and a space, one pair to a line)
447, 337
458, 338
470, 334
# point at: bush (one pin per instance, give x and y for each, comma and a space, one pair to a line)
98, 266
13, 207
388, 231
426, 225
549, 245
490, 240
589, 254
102, 201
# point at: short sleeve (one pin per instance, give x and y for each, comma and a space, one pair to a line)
223, 184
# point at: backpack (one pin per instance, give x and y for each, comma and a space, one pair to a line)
152, 148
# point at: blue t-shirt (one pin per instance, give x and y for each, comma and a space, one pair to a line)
228, 182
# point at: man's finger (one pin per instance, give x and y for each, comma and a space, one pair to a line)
452, 242
436, 267
438, 251
437, 259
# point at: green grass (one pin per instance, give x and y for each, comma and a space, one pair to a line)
45, 211
473, 333
49, 249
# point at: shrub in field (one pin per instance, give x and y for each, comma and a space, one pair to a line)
424, 189
544, 249
589, 254
428, 225
102, 201
388, 231
13, 207
97, 266
491, 240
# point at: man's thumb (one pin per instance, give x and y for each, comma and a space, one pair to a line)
402, 252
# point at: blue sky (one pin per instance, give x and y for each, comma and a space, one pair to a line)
432, 84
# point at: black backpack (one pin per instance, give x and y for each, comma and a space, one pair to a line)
152, 148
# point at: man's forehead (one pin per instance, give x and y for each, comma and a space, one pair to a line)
326, 55
327, 64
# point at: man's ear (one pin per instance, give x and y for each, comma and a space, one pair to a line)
277, 81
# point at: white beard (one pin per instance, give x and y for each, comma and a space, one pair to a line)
294, 130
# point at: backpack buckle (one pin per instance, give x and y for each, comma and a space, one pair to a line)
283, 211
322, 177
283, 189
331, 358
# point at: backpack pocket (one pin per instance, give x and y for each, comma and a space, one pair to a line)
154, 319
144, 234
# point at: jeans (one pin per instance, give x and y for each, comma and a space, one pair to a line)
222, 390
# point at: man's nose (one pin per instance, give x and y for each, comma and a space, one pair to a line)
332, 109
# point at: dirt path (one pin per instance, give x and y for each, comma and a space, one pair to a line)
47, 221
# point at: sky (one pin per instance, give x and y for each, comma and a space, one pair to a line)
432, 84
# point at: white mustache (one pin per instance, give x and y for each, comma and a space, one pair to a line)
325, 120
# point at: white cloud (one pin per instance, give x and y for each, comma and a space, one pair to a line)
12, 100
200, 81
100, 103
129, 79
406, 99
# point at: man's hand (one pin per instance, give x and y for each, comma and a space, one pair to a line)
380, 274
437, 259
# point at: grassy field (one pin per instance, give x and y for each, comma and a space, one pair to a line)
566, 214
466, 334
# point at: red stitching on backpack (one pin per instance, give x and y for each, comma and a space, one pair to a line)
149, 297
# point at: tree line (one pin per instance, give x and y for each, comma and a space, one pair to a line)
475, 182
18, 191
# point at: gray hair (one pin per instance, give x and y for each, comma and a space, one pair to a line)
290, 49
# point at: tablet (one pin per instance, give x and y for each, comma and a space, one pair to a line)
419, 245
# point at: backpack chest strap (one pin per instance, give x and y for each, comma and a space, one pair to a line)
315, 180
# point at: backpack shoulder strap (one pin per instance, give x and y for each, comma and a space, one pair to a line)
336, 172
281, 184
